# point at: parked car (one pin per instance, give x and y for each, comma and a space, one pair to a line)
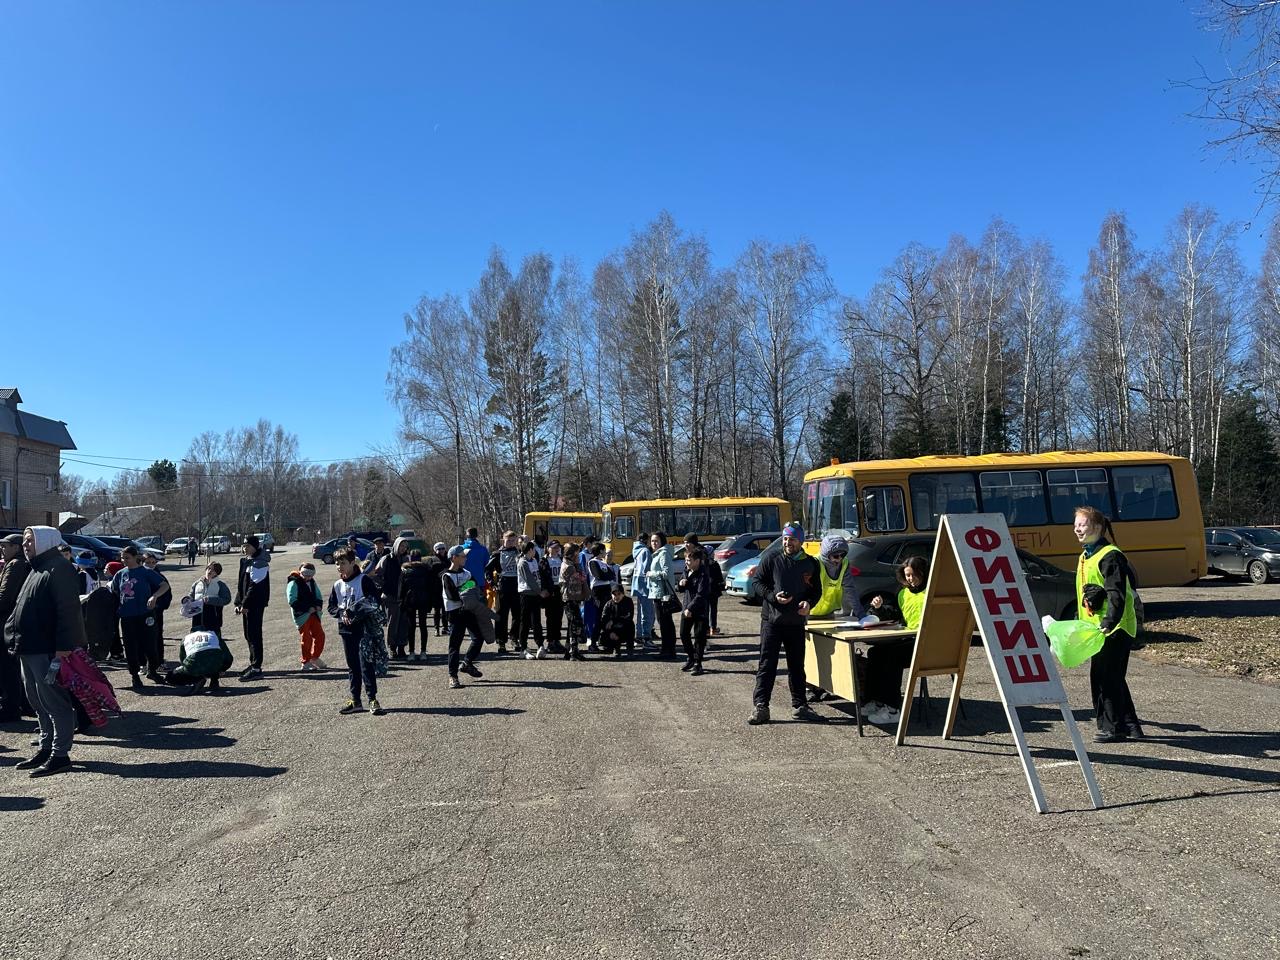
744, 546
370, 535
737, 580
266, 541
178, 546
151, 543
876, 562
121, 542
1252, 552
216, 545
325, 551
104, 552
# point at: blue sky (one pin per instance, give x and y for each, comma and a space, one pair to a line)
216, 212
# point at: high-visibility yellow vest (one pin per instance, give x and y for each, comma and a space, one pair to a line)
1087, 572
912, 606
832, 590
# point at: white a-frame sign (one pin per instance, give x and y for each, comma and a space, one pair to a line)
976, 579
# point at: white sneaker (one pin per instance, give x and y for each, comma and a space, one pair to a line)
308, 666
530, 655
318, 664
542, 652
885, 715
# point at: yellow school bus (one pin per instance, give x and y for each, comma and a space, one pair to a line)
562, 526
1152, 500
711, 518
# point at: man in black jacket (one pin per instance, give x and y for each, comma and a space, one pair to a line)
12, 576
789, 583
45, 623
253, 592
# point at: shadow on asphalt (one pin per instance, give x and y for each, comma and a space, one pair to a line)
180, 769
155, 731
546, 684
19, 804
459, 711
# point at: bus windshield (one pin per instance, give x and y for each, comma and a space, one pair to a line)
831, 506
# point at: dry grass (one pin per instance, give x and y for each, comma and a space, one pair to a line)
1239, 646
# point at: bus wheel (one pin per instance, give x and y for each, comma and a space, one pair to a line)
1258, 572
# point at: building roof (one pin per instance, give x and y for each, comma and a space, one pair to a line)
123, 520
19, 423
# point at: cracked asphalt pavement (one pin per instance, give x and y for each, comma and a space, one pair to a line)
624, 809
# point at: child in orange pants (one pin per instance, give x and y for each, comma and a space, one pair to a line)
304, 600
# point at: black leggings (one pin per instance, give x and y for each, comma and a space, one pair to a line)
410, 618
530, 615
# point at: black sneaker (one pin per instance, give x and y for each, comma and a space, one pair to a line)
577, 656
805, 714
196, 687
135, 682
688, 665
54, 765
758, 716
1105, 736
471, 670
352, 706
502, 649
39, 760
155, 677
696, 671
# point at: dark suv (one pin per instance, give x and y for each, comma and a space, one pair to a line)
1252, 552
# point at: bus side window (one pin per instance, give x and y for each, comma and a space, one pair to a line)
1069, 489
1145, 492
884, 509
623, 529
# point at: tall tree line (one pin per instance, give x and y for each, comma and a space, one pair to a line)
657, 373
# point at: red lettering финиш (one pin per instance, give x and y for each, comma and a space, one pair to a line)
1013, 598
1026, 668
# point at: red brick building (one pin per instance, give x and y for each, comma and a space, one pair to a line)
30, 456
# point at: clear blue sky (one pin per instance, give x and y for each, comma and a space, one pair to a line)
232, 205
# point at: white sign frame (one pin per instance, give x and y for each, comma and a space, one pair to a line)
976, 550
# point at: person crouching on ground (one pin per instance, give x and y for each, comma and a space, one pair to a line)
355, 602
459, 583
617, 628
694, 591
789, 584
303, 594
204, 657
887, 661
46, 624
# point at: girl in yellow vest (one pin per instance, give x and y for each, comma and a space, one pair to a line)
887, 661
1105, 597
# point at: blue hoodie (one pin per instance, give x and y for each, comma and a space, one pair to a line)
477, 559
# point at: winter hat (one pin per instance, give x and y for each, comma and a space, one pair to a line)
13, 539
454, 551
112, 568
437, 547
793, 530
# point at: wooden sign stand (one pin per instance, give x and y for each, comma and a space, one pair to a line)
975, 580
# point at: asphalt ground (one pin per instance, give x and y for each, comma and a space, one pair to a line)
624, 809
